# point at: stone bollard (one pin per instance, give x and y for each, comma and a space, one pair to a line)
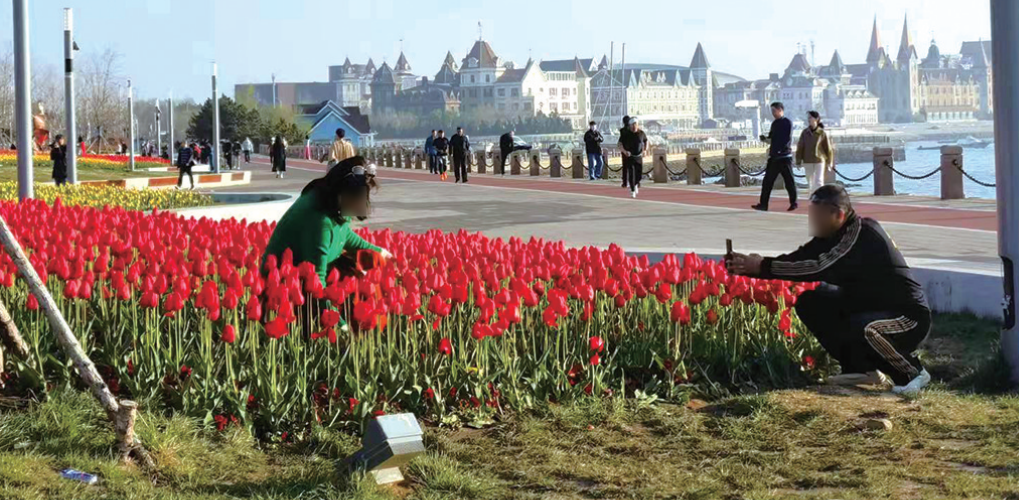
516, 165
884, 181
535, 165
693, 167
480, 159
605, 165
951, 173
498, 163
407, 159
578, 163
388, 155
660, 173
732, 176
419, 158
555, 164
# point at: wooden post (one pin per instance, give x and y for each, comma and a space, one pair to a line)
884, 181
120, 412
535, 165
498, 162
605, 162
951, 173
406, 158
515, 164
693, 166
419, 156
11, 337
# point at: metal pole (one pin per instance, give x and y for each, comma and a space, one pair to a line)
1005, 69
215, 121
274, 90
23, 99
130, 125
171, 148
623, 84
159, 139
612, 87
72, 128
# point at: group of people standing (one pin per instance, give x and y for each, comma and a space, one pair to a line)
439, 149
632, 145
814, 152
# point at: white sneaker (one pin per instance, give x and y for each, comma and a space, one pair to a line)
633, 194
636, 190
914, 386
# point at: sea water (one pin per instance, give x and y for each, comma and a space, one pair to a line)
978, 163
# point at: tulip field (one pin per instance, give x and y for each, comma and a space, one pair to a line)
9, 158
183, 315
100, 195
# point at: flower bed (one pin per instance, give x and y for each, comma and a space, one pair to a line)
100, 195
9, 158
176, 314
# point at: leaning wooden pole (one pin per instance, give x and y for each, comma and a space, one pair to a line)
122, 413
11, 337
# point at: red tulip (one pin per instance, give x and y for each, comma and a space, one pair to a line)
277, 329
32, 304
595, 360
253, 310
229, 335
712, 317
445, 347
680, 313
329, 318
596, 344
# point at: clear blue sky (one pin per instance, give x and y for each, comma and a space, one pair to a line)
168, 44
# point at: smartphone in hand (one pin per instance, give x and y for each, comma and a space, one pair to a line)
728, 249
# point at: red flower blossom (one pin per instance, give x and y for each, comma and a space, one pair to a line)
445, 347
229, 334
596, 344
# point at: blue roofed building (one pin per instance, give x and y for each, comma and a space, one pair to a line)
324, 118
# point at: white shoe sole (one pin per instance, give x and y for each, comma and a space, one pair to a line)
914, 386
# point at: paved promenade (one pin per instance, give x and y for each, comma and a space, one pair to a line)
665, 218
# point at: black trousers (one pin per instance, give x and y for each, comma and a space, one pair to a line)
864, 341
247, 157
432, 160
440, 164
180, 176
776, 167
636, 171
460, 166
625, 173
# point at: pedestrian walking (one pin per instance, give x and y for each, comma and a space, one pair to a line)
869, 312
634, 147
227, 154
430, 151
81, 144
625, 168
237, 153
460, 147
185, 161
780, 158
441, 145
307, 147
592, 143
247, 147
815, 152
341, 149
278, 157
58, 153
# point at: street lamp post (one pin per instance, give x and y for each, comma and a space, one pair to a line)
72, 136
1005, 72
215, 121
171, 147
159, 132
130, 125
23, 99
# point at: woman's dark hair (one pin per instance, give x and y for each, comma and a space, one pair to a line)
778, 105
56, 140
340, 181
279, 140
817, 116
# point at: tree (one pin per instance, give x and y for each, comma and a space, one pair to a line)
102, 96
235, 121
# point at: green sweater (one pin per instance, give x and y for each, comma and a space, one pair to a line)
314, 236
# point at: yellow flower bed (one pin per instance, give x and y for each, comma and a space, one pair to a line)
97, 196
9, 158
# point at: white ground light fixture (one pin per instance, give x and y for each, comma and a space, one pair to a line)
390, 441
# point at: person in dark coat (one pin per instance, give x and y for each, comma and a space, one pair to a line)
634, 146
780, 158
623, 132
278, 156
507, 145
228, 154
460, 146
592, 143
185, 160
441, 145
58, 153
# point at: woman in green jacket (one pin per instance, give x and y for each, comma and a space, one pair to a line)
317, 228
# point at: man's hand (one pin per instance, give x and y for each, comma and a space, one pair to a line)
744, 265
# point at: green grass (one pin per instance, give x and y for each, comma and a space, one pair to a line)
957, 440
10, 173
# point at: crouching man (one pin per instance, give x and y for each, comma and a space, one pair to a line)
869, 313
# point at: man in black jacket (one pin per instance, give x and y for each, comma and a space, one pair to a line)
185, 161
780, 158
460, 145
441, 145
592, 143
507, 145
625, 162
869, 313
634, 143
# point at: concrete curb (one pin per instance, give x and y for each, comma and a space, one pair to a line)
202, 181
253, 207
948, 290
